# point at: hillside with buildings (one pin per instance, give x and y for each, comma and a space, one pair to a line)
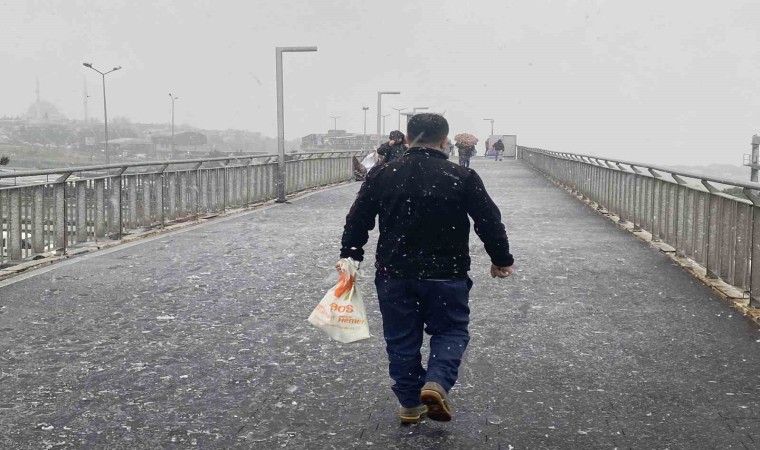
42, 137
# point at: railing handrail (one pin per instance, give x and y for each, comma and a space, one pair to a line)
69, 170
708, 178
51, 215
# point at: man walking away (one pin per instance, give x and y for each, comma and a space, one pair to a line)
423, 202
393, 148
499, 148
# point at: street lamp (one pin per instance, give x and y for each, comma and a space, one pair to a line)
414, 110
365, 109
281, 118
335, 121
384, 116
105, 109
174, 152
492, 121
364, 136
380, 109
399, 116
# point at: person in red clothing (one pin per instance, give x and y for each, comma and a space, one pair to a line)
424, 203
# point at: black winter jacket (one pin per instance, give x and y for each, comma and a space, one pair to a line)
390, 152
423, 202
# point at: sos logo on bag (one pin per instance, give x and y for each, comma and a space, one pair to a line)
341, 312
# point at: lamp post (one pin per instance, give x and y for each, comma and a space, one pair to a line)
492, 121
365, 109
399, 115
105, 109
174, 152
414, 110
364, 136
380, 109
384, 116
335, 121
281, 118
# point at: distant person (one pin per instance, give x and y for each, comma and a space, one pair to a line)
423, 202
449, 149
465, 153
499, 149
393, 148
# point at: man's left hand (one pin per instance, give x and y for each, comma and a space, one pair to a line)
501, 272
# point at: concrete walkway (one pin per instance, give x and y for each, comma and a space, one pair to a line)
199, 339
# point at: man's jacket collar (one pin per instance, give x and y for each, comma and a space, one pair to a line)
426, 151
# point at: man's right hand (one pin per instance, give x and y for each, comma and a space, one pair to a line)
501, 272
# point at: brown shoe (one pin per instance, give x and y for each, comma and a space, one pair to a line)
411, 415
434, 396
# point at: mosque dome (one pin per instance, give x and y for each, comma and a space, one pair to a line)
47, 111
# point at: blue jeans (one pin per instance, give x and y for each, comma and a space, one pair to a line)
440, 307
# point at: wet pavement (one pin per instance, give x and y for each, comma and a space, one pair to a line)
199, 339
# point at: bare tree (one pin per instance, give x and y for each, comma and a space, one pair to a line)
4, 160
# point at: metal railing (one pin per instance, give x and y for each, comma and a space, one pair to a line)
59, 208
713, 221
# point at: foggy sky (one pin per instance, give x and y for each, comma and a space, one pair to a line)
672, 82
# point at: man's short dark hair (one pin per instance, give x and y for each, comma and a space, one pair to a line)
396, 135
427, 128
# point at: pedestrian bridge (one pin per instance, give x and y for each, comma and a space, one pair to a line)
617, 330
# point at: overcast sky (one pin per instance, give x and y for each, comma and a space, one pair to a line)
673, 82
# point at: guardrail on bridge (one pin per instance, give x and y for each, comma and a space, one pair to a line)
81, 204
713, 221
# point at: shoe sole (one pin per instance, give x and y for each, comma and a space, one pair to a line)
411, 419
437, 409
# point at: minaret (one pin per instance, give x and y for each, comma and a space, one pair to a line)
84, 99
38, 112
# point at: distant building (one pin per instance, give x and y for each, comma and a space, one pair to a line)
185, 142
132, 147
42, 111
336, 140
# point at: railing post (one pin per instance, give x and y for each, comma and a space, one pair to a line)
172, 194
754, 276
81, 194
712, 259
161, 194
59, 222
100, 208
14, 238
114, 223
38, 219
132, 193
147, 182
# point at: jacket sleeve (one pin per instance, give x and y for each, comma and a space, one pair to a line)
487, 218
360, 219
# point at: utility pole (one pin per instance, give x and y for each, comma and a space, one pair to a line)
281, 118
364, 136
754, 161
365, 108
85, 96
384, 116
492, 121
399, 116
380, 109
335, 121
174, 151
105, 108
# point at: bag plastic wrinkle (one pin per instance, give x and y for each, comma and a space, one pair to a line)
370, 160
341, 313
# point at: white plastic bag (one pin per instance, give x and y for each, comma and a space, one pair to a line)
370, 160
341, 312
